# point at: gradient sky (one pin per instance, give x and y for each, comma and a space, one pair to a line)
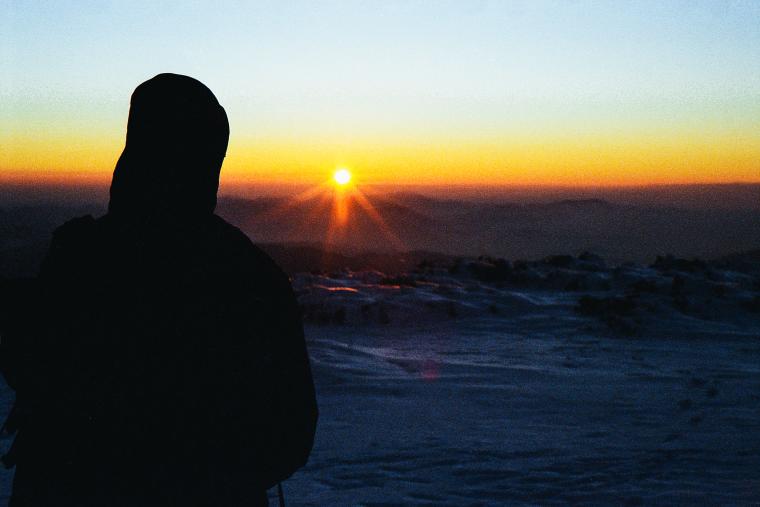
524, 92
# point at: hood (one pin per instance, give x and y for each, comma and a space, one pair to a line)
177, 136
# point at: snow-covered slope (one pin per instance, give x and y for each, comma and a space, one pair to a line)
565, 380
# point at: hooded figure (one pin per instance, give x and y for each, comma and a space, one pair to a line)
177, 136
163, 361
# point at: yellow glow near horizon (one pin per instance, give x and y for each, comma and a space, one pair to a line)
595, 158
574, 161
342, 176
611, 98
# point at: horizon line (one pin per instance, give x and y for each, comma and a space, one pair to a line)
70, 179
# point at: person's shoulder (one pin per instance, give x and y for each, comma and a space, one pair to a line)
236, 240
75, 226
75, 230
70, 245
241, 247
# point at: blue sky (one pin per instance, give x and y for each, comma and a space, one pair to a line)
346, 70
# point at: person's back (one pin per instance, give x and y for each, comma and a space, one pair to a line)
168, 365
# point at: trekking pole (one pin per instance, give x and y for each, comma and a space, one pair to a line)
280, 495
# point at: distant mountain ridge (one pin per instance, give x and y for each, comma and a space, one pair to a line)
512, 230
413, 222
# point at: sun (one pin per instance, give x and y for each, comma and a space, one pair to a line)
342, 176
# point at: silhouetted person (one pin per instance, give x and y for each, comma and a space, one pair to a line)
161, 359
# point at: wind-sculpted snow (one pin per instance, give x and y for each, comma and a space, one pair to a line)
530, 414
561, 381
552, 382
671, 294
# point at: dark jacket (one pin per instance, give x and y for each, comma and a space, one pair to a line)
163, 361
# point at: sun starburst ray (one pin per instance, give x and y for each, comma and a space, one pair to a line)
375, 216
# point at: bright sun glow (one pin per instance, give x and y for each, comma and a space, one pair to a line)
342, 176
